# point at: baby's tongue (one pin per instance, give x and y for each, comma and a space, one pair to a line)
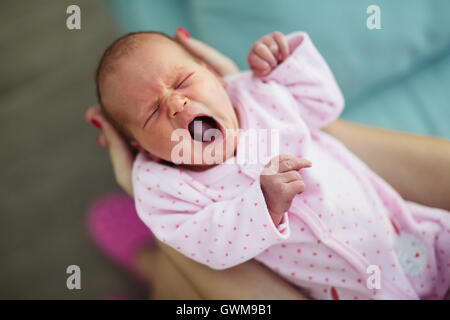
199, 126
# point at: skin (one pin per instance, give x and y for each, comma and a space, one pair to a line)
267, 53
391, 154
279, 186
159, 88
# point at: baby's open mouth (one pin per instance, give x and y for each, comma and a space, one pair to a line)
199, 126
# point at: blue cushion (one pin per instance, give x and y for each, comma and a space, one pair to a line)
368, 64
158, 15
418, 104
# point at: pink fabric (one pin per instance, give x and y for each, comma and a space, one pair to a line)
347, 219
117, 230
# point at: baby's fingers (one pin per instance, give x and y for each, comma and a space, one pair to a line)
293, 164
304, 163
289, 176
282, 43
263, 51
297, 186
258, 65
270, 42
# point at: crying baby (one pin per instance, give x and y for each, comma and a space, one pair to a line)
320, 226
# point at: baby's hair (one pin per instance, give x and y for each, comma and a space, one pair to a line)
121, 47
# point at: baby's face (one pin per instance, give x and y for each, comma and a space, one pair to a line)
159, 88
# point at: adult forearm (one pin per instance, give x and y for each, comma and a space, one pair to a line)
249, 281
418, 167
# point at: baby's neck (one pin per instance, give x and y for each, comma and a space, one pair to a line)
199, 168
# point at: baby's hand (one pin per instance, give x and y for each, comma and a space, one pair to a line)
267, 53
281, 182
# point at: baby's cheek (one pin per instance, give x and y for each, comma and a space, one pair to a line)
211, 85
176, 148
154, 143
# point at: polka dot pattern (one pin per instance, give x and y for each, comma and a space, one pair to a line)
346, 220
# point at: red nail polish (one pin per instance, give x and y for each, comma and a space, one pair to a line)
184, 31
96, 123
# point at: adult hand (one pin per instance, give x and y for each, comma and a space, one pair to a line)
220, 63
120, 152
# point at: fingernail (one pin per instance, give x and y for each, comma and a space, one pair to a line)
184, 31
96, 123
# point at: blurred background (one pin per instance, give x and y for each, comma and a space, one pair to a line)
52, 171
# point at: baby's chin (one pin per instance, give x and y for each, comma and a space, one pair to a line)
203, 155
205, 143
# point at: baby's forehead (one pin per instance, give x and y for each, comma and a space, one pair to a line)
142, 52
143, 60
152, 44
153, 50
155, 39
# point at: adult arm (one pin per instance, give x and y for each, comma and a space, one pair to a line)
418, 167
247, 281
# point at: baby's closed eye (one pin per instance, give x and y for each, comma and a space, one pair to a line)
184, 81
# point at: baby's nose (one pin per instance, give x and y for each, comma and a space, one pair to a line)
176, 104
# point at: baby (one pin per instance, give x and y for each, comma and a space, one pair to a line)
338, 231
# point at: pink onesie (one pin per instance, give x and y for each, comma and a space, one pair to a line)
349, 235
